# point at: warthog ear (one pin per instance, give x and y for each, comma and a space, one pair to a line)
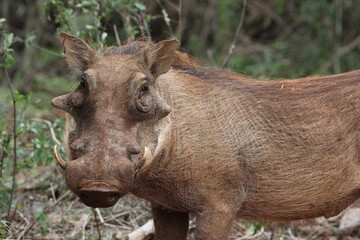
161, 56
78, 54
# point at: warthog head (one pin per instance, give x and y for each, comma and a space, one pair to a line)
115, 103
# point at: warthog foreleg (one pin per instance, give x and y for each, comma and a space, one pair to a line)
214, 223
170, 225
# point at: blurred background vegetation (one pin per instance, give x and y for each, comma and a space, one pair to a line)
275, 39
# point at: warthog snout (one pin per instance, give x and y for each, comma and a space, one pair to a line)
97, 185
96, 196
97, 182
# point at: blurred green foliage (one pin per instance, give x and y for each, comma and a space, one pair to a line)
7, 52
4, 228
34, 142
86, 18
42, 221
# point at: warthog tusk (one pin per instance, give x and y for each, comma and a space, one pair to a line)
141, 163
60, 161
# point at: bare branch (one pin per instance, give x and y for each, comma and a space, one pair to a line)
142, 232
261, 232
4, 154
27, 224
30, 226
338, 34
178, 9
52, 132
14, 148
45, 50
341, 52
97, 223
2, 161
39, 48
100, 216
232, 46
166, 18
116, 35
145, 25
127, 25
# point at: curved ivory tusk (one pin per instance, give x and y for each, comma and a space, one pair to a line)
60, 161
141, 163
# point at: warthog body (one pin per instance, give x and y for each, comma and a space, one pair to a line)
190, 139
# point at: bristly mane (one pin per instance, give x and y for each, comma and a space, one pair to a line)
182, 60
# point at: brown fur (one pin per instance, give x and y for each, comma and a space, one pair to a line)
230, 146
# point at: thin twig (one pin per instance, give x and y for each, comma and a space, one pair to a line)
40, 48
14, 148
116, 35
47, 209
178, 9
100, 216
97, 223
252, 236
180, 23
52, 132
27, 224
45, 50
52, 191
59, 200
272, 13
166, 17
143, 231
3, 155
291, 234
145, 25
232, 46
173, 5
342, 51
211, 58
2, 161
127, 24
338, 33
16, 206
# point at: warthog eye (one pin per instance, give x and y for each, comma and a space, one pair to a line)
82, 80
82, 83
144, 89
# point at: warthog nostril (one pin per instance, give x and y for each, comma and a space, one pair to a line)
99, 197
113, 197
84, 197
134, 149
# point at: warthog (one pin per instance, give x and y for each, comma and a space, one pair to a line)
190, 139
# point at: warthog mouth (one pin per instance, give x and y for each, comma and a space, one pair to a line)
100, 194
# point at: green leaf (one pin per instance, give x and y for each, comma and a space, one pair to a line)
148, 17
8, 40
140, 6
104, 36
29, 38
256, 227
4, 228
89, 27
10, 59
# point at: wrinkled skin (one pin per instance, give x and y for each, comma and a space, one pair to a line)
189, 139
112, 102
